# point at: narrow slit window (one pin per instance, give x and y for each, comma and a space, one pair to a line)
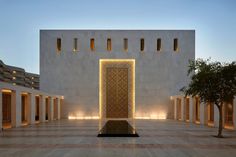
92, 44
158, 44
176, 45
75, 44
58, 44
109, 44
126, 44
142, 44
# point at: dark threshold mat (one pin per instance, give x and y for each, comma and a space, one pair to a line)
117, 128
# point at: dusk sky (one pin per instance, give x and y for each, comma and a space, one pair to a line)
21, 20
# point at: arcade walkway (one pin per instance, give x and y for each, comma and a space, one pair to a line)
78, 138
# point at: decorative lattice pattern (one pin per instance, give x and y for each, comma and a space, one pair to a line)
129, 66
117, 93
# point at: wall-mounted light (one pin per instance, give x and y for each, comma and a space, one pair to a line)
83, 117
6, 91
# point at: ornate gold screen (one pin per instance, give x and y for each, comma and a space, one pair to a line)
116, 88
117, 92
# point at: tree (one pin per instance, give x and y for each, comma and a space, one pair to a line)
213, 82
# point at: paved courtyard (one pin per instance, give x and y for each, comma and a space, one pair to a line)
78, 138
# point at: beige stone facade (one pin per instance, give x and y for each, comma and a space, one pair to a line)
18, 76
191, 110
25, 106
69, 65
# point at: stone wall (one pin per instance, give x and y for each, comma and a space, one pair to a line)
75, 74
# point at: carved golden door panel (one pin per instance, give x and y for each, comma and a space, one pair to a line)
116, 92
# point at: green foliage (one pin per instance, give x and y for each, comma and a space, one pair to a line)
213, 82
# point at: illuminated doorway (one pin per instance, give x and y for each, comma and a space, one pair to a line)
37, 108
117, 92
197, 109
228, 114
55, 108
179, 109
187, 109
6, 108
210, 114
116, 88
24, 108
47, 108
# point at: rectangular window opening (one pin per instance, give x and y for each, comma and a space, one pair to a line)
176, 46
142, 44
158, 44
126, 44
75, 44
109, 46
58, 44
92, 44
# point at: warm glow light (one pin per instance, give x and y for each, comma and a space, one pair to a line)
151, 117
97, 117
6, 91
133, 73
155, 115
62, 97
100, 89
101, 62
83, 117
24, 93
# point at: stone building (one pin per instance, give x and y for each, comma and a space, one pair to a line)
115, 73
21, 101
107, 74
18, 76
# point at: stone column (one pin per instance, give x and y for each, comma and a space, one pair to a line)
42, 111
234, 112
15, 108
216, 116
183, 109
191, 109
175, 108
1, 109
31, 111
51, 111
203, 113
58, 108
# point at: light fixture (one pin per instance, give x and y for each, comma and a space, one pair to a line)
6, 91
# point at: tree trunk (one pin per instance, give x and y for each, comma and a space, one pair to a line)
220, 107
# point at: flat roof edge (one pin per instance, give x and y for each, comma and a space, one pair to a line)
117, 29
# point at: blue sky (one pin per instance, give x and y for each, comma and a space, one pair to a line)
21, 20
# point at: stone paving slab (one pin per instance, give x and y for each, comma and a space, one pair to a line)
72, 138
